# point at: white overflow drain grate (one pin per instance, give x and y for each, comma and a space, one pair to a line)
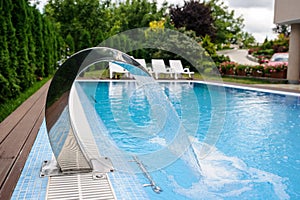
79, 186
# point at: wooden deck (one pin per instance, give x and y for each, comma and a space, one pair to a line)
17, 135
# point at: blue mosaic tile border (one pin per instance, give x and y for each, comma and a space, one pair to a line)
30, 185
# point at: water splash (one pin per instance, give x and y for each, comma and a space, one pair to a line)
228, 177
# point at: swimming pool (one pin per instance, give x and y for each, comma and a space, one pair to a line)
255, 157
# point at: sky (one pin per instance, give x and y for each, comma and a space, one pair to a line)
258, 15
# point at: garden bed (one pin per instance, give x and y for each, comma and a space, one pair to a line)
259, 71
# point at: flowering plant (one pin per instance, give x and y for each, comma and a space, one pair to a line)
227, 66
276, 68
242, 68
262, 59
258, 68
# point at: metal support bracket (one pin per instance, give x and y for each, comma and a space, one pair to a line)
50, 168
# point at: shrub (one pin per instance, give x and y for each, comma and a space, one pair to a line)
276, 68
259, 68
243, 69
265, 52
218, 59
208, 70
227, 66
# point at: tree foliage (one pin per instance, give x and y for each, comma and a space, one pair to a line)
89, 22
246, 39
195, 16
212, 18
75, 16
22, 47
227, 25
136, 13
8, 51
284, 29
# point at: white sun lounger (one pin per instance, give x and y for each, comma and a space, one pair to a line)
142, 62
159, 67
178, 69
114, 68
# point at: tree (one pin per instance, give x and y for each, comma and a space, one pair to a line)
284, 29
31, 40
208, 46
48, 48
137, 13
8, 37
245, 39
76, 17
5, 88
281, 44
227, 26
194, 16
21, 23
39, 42
85, 40
70, 45
89, 22
23, 47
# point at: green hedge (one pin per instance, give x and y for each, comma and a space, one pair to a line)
29, 48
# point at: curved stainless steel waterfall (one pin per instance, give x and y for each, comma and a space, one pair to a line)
67, 144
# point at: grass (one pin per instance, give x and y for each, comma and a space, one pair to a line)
103, 73
8, 107
238, 79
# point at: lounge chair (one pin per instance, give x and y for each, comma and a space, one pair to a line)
142, 62
159, 67
178, 69
114, 68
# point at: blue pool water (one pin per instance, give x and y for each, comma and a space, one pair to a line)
256, 155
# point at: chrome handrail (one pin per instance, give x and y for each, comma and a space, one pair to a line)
152, 184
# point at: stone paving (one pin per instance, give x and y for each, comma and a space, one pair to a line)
284, 87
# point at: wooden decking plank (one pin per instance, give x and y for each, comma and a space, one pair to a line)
14, 142
16, 170
3, 170
8, 124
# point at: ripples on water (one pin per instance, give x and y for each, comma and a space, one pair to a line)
256, 156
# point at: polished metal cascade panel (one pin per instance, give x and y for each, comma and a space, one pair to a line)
71, 138
80, 186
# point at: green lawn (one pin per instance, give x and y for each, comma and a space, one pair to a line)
9, 107
242, 80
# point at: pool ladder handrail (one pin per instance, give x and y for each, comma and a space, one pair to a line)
152, 184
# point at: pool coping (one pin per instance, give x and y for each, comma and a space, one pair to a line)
24, 124
268, 88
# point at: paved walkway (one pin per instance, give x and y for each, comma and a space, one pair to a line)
278, 87
238, 56
282, 87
